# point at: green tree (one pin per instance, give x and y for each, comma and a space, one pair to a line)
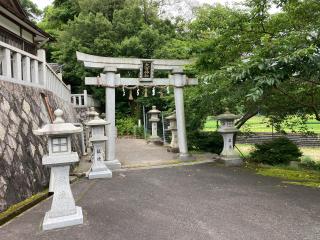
130, 28
285, 63
254, 61
31, 9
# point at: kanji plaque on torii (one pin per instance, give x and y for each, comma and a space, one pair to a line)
146, 67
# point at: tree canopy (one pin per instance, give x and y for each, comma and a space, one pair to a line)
248, 58
31, 9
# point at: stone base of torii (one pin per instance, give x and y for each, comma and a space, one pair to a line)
110, 80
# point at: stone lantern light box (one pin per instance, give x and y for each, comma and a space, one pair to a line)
63, 210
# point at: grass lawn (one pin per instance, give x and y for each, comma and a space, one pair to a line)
291, 176
311, 152
261, 124
288, 175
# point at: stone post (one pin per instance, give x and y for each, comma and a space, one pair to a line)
6, 63
179, 83
35, 71
85, 98
63, 210
98, 140
228, 156
174, 147
26, 74
17, 69
110, 78
154, 119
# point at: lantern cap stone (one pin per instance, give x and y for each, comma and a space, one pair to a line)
92, 112
227, 116
97, 122
58, 127
154, 110
172, 116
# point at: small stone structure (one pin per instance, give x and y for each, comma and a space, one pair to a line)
98, 140
173, 147
227, 129
63, 210
154, 119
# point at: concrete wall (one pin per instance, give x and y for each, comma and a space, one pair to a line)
21, 110
299, 139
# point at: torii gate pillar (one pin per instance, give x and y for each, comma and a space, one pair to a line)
110, 77
179, 83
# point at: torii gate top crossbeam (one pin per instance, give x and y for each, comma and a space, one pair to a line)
146, 69
92, 61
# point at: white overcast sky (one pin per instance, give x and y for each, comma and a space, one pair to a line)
43, 3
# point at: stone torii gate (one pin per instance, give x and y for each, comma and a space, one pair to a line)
146, 67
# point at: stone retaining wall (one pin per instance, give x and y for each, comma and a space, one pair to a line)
22, 109
299, 139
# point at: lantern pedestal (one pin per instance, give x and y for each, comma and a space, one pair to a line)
186, 157
113, 165
65, 221
99, 170
63, 212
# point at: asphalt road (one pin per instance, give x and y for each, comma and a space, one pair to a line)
190, 202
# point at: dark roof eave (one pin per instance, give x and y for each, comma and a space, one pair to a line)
26, 20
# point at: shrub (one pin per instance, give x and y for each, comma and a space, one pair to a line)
206, 141
308, 163
139, 132
126, 126
277, 151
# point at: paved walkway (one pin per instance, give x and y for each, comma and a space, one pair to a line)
138, 153
135, 152
188, 202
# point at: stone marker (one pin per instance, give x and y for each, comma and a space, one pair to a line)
98, 140
154, 119
63, 210
227, 129
174, 147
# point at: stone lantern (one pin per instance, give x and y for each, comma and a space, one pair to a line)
63, 210
154, 119
174, 147
227, 129
91, 114
98, 140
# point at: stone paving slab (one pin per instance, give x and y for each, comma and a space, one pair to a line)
139, 152
190, 202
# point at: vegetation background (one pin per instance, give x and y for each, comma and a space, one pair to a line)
247, 58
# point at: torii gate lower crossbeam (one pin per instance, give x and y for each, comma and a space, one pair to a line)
110, 80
